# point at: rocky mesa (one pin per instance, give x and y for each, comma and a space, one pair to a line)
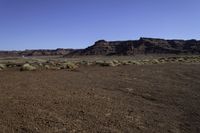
130, 47
141, 46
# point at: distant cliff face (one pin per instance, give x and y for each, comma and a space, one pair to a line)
141, 46
132, 47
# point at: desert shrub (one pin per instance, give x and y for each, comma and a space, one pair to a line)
69, 65
28, 61
51, 62
55, 68
163, 60
2, 66
146, 61
109, 63
40, 60
197, 60
172, 59
126, 62
46, 66
28, 67
155, 61
180, 59
105, 63
36, 64
115, 61
40, 64
99, 62
135, 62
87, 63
83, 62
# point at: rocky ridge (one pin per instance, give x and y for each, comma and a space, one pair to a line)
141, 46
130, 47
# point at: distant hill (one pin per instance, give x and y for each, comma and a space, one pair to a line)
141, 46
39, 52
130, 47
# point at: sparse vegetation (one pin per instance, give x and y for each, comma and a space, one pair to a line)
106, 93
99, 62
69, 65
47, 67
2, 66
55, 68
28, 67
106, 63
87, 63
156, 61
126, 62
109, 63
135, 63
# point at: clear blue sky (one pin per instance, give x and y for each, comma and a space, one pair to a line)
49, 24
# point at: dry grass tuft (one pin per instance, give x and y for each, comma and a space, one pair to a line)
28, 67
69, 65
2, 66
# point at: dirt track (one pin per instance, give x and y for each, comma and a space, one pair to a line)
147, 98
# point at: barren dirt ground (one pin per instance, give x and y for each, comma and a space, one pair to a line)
148, 98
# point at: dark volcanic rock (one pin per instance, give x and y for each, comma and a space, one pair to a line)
46, 52
36, 52
141, 46
132, 47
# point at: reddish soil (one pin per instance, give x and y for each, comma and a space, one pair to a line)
135, 99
